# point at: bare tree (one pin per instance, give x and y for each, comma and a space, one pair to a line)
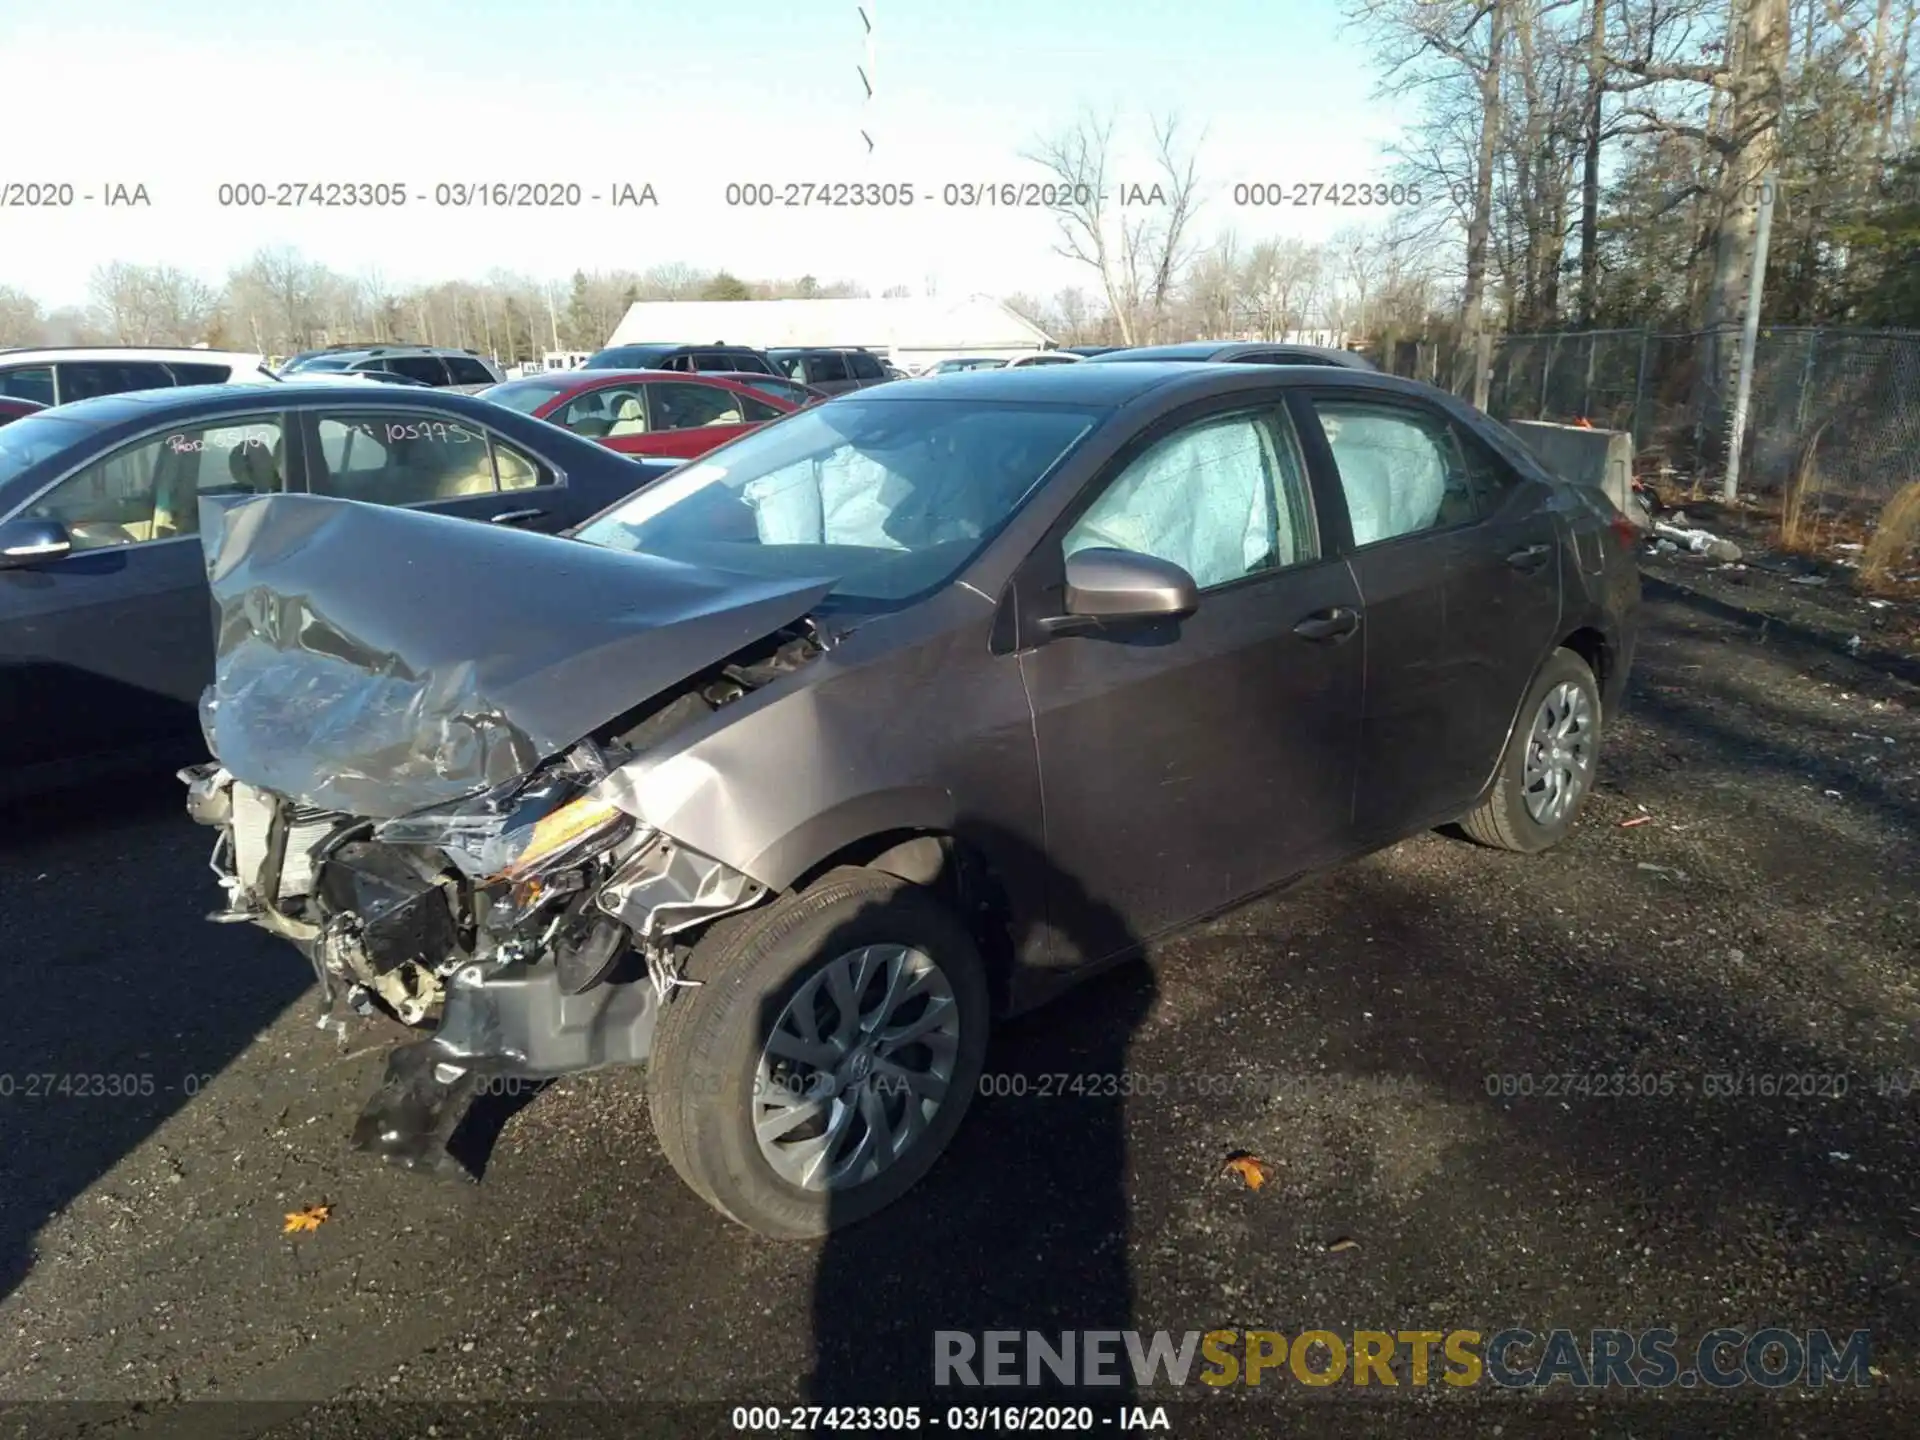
21, 319
1135, 238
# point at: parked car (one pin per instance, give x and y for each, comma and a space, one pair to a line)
106, 638
778, 387
59, 375
834, 371
684, 358
1241, 352
643, 412
442, 368
1086, 350
12, 409
1043, 357
936, 697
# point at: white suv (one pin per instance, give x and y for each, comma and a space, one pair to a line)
56, 375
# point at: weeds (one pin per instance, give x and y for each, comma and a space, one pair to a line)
1893, 539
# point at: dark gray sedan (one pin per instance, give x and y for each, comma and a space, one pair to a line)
106, 632
790, 773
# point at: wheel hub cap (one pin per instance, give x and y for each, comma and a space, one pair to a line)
1560, 753
856, 1067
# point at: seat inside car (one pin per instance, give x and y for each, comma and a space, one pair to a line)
629, 417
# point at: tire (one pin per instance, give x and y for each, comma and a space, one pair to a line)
1505, 819
713, 1073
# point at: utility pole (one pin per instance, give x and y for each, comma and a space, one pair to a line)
869, 72
553, 316
1750, 336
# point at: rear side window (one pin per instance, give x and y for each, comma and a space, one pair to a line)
826, 368
84, 379
757, 411
865, 366
28, 382
393, 457
1401, 468
690, 407
467, 371
200, 374
414, 367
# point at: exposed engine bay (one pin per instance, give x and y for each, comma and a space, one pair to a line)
535, 925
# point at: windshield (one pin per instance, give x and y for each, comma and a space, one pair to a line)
891, 498
28, 441
626, 357
526, 396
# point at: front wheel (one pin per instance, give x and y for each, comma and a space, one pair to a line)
1548, 767
826, 1057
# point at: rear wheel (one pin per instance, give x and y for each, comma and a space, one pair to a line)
827, 1056
1547, 770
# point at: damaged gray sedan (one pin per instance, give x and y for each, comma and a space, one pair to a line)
787, 775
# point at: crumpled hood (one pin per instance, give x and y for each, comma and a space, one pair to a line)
377, 661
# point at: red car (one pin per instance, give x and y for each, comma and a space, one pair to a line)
12, 408
643, 412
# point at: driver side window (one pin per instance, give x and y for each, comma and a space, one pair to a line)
151, 489
1223, 498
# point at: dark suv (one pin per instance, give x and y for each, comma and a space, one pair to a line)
443, 369
718, 358
831, 370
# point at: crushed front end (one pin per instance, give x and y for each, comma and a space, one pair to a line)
530, 926
407, 778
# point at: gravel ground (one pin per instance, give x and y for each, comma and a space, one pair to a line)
1383, 1037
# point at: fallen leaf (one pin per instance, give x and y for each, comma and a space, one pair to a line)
1636, 820
1337, 1246
312, 1217
1250, 1168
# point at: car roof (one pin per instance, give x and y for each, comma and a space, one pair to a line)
146, 405
1223, 351
1116, 385
183, 353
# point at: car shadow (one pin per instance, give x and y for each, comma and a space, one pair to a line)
1033, 1238
118, 1002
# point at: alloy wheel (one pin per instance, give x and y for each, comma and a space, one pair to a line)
856, 1067
1560, 754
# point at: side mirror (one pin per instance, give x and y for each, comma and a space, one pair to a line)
27, 542
1108, 586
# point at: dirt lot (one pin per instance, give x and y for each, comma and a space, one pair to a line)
1373, 1035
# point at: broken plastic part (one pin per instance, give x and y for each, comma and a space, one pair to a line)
369, 661
666, 887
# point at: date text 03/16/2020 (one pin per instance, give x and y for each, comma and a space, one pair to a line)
950, 1420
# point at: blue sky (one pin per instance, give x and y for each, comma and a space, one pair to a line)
182, 95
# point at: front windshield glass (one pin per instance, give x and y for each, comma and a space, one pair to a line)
891, 498
26, 442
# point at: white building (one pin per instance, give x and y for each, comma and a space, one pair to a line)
910, 332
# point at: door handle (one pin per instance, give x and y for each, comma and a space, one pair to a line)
515, 517
1531, 558
1334, 624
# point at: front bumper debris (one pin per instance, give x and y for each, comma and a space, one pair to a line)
524, 990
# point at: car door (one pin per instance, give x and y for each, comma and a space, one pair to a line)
1508, 610
106, 649
1186, 764
1413, 544
688, 419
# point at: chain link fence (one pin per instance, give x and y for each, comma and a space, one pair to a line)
1857, 391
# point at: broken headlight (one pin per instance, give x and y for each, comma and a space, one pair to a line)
517, 832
